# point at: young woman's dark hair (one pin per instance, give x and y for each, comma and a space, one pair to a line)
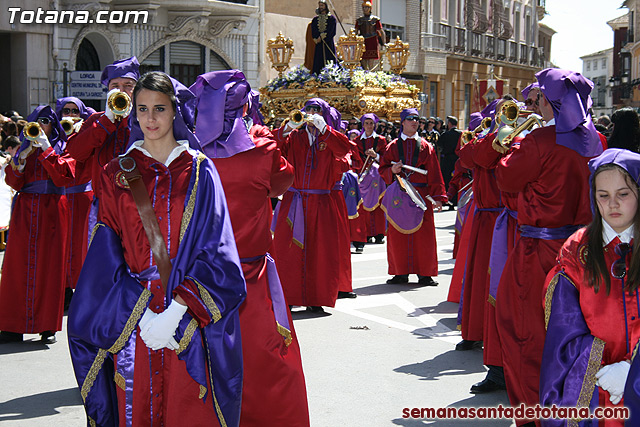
158, 82
626, 130
596, 270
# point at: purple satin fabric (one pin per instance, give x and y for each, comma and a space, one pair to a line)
106, 294
401, 211
632, 393
499, 249
474, 120
408, 112
568, 93
93, 217
274, 220
278, 303
372, 188
526, 90
43, 186
80, 188
254, 108
221, 96
351, 192
125, 367
566, 354
295, 216
559, 233
126, 68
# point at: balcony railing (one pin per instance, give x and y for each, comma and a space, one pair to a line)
460, 40
445, 30
513, 51
490, 51
524, 53
501, 51
476, 44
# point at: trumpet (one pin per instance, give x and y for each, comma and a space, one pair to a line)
298, 117
509, 114
119, 103
32, 131
67, 125
468, 135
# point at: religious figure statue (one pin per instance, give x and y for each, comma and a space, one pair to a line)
370, 27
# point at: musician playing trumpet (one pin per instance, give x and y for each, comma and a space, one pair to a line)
73, 110
411, 246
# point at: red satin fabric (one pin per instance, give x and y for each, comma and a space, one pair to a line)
461, 258
32, 284
273, 391
417, 252
79, 206
306, 280
553, 186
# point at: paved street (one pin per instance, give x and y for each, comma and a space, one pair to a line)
365, 360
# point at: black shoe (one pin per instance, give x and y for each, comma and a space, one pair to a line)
427, 281
68, 294
315, 309
486, 386
7, 337
359, 250
342, 294
380, 239
48, 337
398, 279
451, 207
465, 345
371, 239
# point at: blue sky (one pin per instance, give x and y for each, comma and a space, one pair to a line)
581, 27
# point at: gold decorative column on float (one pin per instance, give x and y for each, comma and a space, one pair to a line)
398, 54
280, 51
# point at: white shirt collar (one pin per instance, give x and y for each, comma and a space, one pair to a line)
403, 136
608, 234
183, 145
373, 135
551, 122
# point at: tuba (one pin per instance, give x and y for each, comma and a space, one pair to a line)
119, 103
468, 135
509, 114
32, 130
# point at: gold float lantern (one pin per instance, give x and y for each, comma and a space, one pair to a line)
398, 54
350, 50
280, 51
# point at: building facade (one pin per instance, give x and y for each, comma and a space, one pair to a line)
597, 68
184, 39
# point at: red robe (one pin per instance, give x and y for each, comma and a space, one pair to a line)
32, 284
306, 280
606, 316
455, 288
417, 252
273, 392
486, 196
157, 374
460, 179
375, 220
553, 186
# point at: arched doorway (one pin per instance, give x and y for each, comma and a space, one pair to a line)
94, 53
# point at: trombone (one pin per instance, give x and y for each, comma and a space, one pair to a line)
119, 103
509, 114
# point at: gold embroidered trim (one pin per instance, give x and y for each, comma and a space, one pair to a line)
548, 298
397, 227
221, 419
188, 211
188, 335
132, 322
208, 300
93, 232
635, 351
377, 204
92, 423
119, 380
286, 334
92, 374
589, 381
491, 300
203, 391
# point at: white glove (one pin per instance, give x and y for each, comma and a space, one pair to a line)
41, 142
77, 126
146, 318
319, 123
613, 378
159, 331
615, 398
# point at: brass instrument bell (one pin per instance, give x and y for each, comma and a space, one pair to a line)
298, 117
119, 103
509, 114
32, 130
67, 125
